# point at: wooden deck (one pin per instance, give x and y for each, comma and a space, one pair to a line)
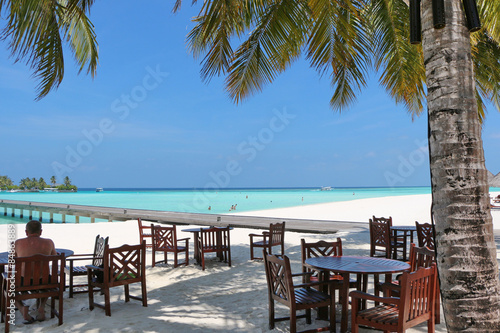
123, 214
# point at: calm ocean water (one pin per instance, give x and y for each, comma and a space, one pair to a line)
198, 201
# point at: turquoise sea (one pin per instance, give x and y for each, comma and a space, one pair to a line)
198, 201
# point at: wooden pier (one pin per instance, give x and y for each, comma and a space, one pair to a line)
123, 214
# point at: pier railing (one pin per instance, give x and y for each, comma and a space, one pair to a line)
123, 214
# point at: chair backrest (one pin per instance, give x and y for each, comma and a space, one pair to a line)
125, 264
38, 272
380, 236
277, 233
425, 234
320, 249
208, 239
418, 294
421, 257
100, 244
143, 229
279, 278
164, 238
382, 219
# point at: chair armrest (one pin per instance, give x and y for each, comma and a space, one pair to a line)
387, 288
95, 268
255, 235
369, 297
89, 257
183, 239
302, 274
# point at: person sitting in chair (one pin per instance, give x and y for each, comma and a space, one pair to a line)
29, 246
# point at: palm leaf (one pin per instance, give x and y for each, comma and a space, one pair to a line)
276, 41
403, 71
338, 43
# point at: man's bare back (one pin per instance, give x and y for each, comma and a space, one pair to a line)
25, 247
32, 245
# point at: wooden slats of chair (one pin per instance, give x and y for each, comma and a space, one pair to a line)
414, 306
425, 234
35, 277
121, 266
145, 233
165, 240
274, 237
296, 297
216, 240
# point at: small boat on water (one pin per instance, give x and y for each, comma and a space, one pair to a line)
326, 188
99, 189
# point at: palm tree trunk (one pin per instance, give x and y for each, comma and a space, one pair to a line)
467, 263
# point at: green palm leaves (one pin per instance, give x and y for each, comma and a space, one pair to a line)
36, 31
341, 38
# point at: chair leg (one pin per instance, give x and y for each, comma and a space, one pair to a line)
91, 293
52, 306
144, 292
355, 306
127, 292
293, 321
251, 250
333, 327
308, 317
71, 283
176, 254
107, 305
271, 314
61, 309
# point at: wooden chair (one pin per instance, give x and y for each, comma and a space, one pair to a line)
122, 266
214, 240
72, 270
396, 314
34, 277
382, 242
296, 297
323, 249
145, 233
425, 234
274, 237
165, 240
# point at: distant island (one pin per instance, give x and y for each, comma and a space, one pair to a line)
34, 185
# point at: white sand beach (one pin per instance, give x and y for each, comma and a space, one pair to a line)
221, 298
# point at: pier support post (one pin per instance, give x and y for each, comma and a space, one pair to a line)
51, 217
21, 215
13, 212
109, 219
5, 211
40, 216
92, 219
77, 219
63, 218
31, 215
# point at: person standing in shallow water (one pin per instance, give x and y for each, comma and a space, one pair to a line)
29, 246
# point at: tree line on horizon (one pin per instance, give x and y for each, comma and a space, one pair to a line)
28, 183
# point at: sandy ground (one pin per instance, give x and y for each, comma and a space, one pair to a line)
221, 298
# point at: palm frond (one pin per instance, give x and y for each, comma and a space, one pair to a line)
274, 43
489, 12
217, 22
403, 71
80, 33
486, 58
338, 43
33, 31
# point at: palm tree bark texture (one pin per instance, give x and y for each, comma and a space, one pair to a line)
466, 251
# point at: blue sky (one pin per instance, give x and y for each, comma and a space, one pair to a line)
147, 120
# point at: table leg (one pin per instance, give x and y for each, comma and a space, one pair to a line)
344, 296
196, 247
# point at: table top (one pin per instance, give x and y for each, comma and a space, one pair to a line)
352, 264
404, 228
4, 256
204, 228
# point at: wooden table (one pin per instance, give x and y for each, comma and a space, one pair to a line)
407, 232
196, 236
346, 265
